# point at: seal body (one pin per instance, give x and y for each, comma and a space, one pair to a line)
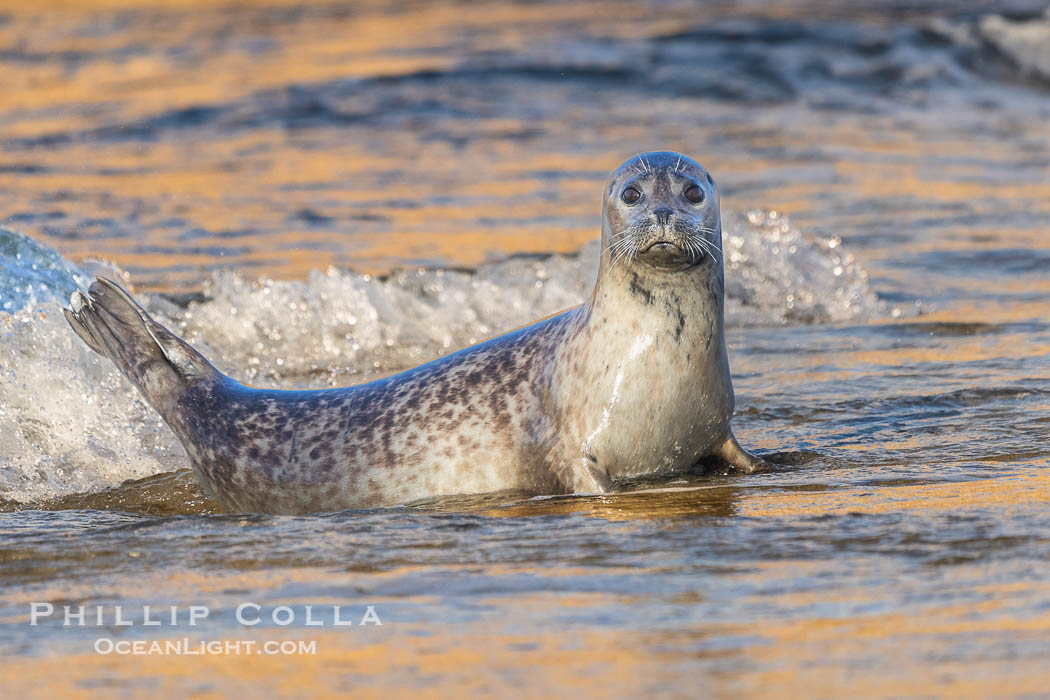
634, 381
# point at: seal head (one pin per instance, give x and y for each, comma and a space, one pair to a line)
661, 210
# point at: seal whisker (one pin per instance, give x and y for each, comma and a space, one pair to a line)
706, 244
617, 238
619, 246
711, 244
616, 241
717, 244
624, 253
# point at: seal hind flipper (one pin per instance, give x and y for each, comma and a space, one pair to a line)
113, 324
79, 326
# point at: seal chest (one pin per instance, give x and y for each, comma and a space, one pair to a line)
635, 381
656, 378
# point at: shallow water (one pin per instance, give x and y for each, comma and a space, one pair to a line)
886, 183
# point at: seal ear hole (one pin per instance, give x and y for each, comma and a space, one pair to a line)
694, 194
630, 195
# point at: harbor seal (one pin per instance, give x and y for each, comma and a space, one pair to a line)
635, 381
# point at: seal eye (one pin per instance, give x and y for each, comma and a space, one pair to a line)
694, 194
630, 195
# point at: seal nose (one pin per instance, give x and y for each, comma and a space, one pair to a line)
663, 215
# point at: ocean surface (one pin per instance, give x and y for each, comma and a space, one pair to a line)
317, 195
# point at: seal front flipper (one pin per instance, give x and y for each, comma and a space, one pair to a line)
740, 460
157, 361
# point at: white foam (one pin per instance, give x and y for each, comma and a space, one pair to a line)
1026, 44
69, 422
775, 275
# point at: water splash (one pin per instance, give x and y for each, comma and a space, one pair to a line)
31, 271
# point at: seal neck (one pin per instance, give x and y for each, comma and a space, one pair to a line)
634, 283
639, 298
